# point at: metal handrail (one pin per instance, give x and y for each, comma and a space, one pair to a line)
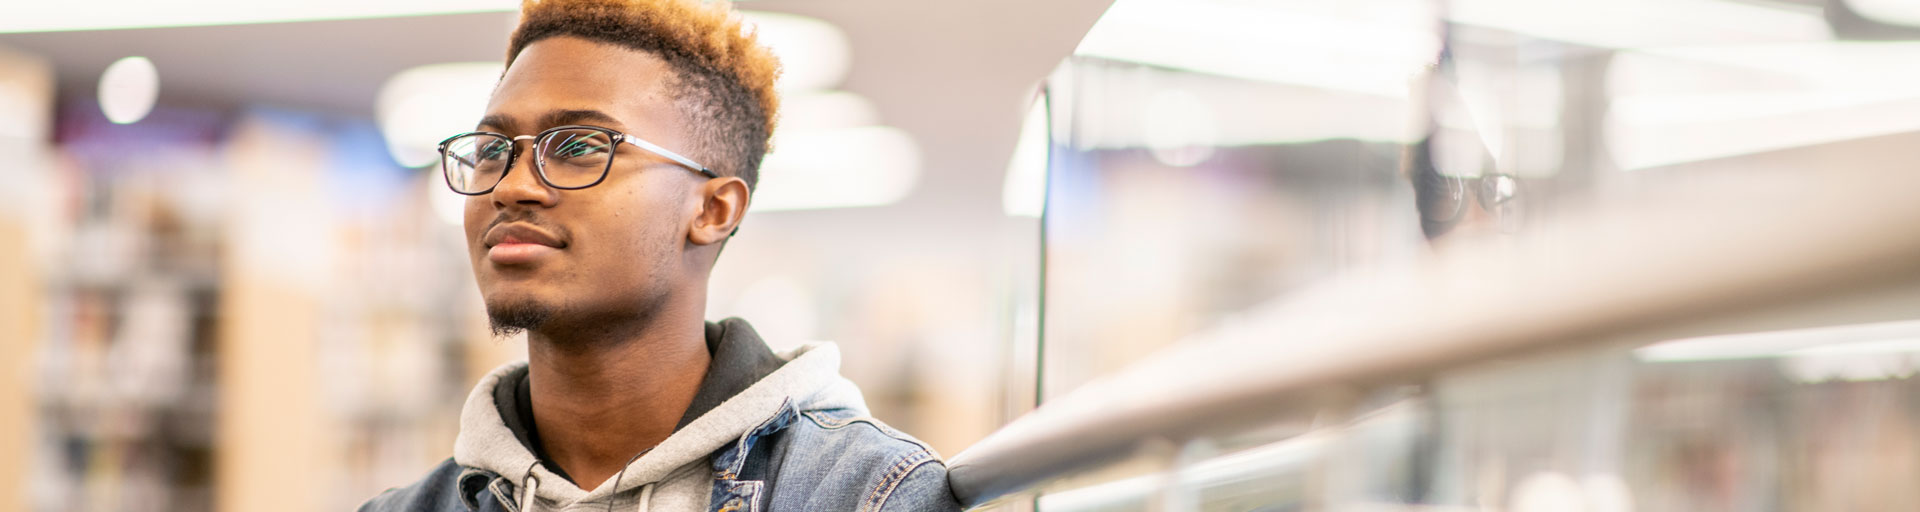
1757, 239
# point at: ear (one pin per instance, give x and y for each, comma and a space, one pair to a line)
723, 203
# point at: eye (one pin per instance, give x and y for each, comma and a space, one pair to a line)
495, 150
581, 147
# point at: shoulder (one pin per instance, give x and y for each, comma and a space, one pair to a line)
860, 463
449, 487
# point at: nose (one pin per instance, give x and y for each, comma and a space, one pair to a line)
522, 186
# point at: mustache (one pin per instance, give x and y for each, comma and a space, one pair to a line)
528, 217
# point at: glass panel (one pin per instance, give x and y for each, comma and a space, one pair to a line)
1187, 191
1217, 154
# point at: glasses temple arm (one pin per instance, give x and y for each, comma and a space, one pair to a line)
649, 146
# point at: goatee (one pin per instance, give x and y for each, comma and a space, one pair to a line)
514, 318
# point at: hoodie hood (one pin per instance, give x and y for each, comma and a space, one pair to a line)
809, 380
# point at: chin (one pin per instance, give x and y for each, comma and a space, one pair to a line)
511, 313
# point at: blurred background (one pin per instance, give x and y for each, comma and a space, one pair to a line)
234, 280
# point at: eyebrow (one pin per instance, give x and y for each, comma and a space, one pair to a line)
553, 118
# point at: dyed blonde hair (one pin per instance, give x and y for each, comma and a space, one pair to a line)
723, 79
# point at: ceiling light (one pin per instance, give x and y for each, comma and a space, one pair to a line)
1819, 64
1822, 118
866, 166
1645, 23
419, 107
814, 54
1876, 338
1691, 104
128, 89
1371, 46
1896, 12
825, 110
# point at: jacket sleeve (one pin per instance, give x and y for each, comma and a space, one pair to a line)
922, 487
439, 491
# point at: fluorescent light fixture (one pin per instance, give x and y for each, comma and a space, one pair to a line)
1024, 192
1645, 23
1684, 109
816, 53
114, 14
1365, 46
825, 110
419, 107
128, 89
851, 167
1895, 12
1849, 65
1690, 104
1864, 347
1875, 338
1637, 144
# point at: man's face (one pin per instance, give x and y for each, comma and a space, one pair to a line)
605, 252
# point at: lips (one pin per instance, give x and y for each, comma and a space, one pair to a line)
520, 244
520, 233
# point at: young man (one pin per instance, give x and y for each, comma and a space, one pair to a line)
617, 156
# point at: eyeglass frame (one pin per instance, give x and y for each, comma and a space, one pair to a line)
1487, 191
539, 168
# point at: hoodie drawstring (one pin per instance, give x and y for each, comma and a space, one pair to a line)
646, 498
646, 491
531, 498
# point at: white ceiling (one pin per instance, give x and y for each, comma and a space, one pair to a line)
333, 66
952, 74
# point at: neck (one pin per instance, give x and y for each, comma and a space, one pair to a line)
599, 402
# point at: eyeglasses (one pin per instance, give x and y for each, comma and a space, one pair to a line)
1494, 193
565, 157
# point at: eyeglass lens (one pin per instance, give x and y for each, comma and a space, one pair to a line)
475, 162
575, 158
571, 158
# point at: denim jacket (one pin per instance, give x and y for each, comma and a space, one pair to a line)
799, 439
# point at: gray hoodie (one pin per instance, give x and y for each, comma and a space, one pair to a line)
799, 438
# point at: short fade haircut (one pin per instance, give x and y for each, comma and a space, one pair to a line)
723, 78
